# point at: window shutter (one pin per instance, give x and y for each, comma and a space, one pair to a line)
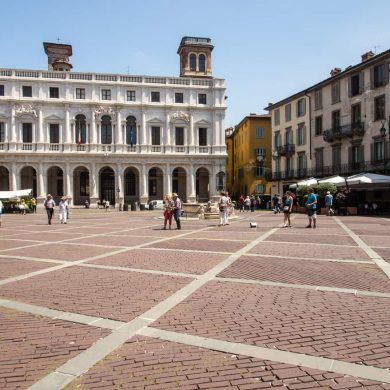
361, 154
361, 82
372, 77
304, 106
297, 136
350, 155
350, 86
304, 135
386, 76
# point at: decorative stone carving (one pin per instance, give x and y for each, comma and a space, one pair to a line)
26, 109
101, 110
180, 115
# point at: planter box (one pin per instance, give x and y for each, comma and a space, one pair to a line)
352, 210
301, 209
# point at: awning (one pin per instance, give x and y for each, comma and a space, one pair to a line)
15, 194
368, 178
309, 182
337, 180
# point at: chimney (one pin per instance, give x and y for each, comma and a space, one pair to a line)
367, 56
270, 104
335, 71
58, 56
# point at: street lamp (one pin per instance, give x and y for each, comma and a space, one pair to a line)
275, 157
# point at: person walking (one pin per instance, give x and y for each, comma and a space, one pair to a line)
1, 212
62, 213
247, 203
107, 205
253, 203
287, 208
176, 210
34, 205
241, 203
168, 212
311, 205
223, 205
329, 204
49, 205
22, 208
230, 205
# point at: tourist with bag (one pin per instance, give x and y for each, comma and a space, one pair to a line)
223, 208
287, 208
168, 212
49, 205
177, 210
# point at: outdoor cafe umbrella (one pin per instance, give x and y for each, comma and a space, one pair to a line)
368, 178
337, 180
309, 182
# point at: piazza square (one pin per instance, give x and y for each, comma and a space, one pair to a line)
112, 301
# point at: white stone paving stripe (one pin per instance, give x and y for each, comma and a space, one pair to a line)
86, 359
37, 259
305, 287
382, 264
275, 355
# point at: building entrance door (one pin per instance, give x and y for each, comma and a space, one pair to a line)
107, 185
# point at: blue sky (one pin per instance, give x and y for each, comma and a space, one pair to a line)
266, 50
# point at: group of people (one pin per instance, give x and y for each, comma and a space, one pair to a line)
249, 203
172, 209
63, 209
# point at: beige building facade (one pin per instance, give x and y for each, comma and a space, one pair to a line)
346, 125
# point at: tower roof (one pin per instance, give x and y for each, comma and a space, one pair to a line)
195, 41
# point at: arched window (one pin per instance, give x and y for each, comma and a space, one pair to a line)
220, 181
202, 63
193, 62
131, 131
80, 135
106, 130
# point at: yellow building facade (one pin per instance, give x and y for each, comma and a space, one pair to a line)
249, 156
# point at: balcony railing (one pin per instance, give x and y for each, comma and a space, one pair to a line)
346, 131
180, 149
81, 148
54, 147
3, 146
27, 146
382, 166
286, 150
204, 149
131, 149
156, 149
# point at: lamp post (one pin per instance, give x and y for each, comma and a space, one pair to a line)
386, 145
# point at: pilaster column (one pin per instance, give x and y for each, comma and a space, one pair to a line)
68, 182
41, 184
67, 133
93, 186
144, 140
144, 185
40, 131
13, 178
191, 135
119, 184
191, 195
119, 134
93, 135
167, 134
168, 180
12, 138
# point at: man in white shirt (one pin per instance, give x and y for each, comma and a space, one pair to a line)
176, 210
49, 206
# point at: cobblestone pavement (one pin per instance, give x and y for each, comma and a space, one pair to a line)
111, 301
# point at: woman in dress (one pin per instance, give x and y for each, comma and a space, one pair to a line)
287, 208
168, 211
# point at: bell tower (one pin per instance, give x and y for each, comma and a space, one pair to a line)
195, 57
58, 56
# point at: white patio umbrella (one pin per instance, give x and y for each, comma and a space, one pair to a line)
15, 194
368, 178
337, 180
308, 182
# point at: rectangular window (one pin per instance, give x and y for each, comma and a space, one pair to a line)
289, 136
54, 133
260, 152
378, 151
336, 92
336, 157
319, 154
379, 75
27, 133
356, 155
106, 94
179, 97
80, 93
1, 90
277, 117
2, 132
179, 136
155, 97
318, 125
202, 98
355, 114
301, 161
355, 85
277, 139
379, 107
301, 134
259, 132
54, 92
27, 91
130, 96
318, 99
289, 165
260, 188
287, 113
156, 135
202, 136
301, 107
258, 171
336, 120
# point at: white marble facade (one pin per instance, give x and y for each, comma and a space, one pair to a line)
74, 143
